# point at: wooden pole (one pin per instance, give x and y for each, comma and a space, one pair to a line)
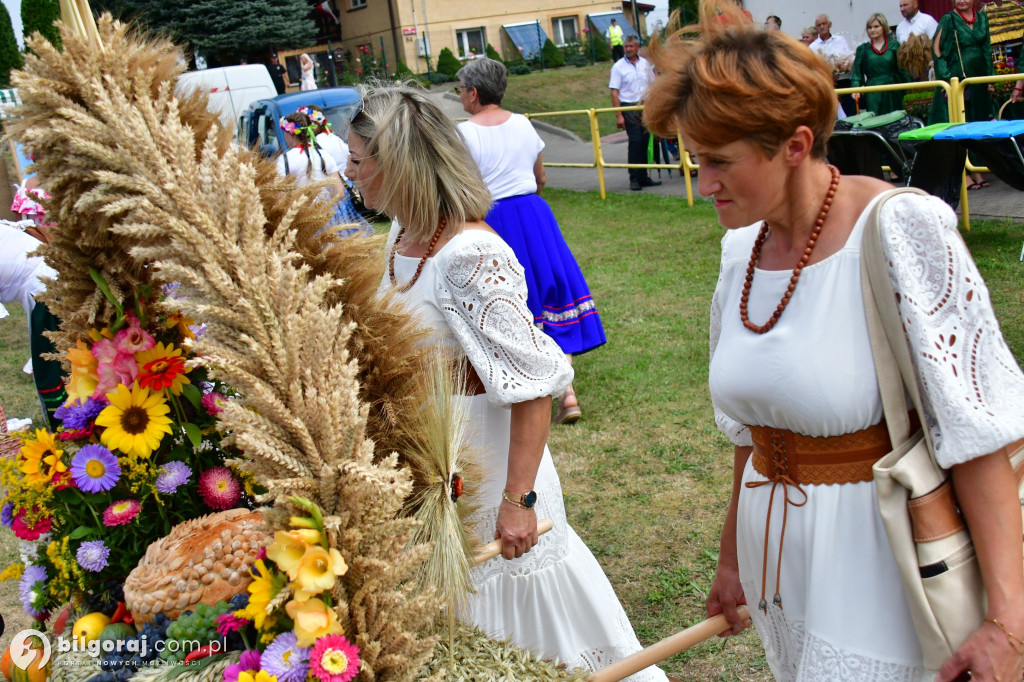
670, 646
493, 549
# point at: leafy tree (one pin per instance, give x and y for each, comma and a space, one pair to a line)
552, 55
492, 53
688, 10
223, 30
402, 71
602, 51
10, 57
448, 63
39, 15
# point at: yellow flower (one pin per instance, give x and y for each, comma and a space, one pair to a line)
313, 619
41, 459
316, 571
180, 322
289, 547
259, 676
263, 588
135, 420
12, 572
83, 372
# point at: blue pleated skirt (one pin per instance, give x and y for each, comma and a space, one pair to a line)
557, 295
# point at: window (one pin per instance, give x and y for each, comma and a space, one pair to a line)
356, 4
564, 31
470, 42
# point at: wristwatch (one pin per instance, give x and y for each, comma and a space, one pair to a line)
523, 500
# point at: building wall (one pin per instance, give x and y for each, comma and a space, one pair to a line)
442, 19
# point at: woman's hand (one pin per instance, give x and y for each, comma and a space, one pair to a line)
725, 595
1018, 92
988, 654
517, 530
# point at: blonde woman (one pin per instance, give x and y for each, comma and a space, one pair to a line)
451, 270
308, 81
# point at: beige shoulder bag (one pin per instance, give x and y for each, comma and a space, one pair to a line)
916, 500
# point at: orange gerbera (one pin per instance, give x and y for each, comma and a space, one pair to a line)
162, 367
83, 372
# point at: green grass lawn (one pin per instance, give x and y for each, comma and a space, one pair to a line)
566, 89
646, 474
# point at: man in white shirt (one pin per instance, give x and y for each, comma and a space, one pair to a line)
835, 50
914, 22
631, 76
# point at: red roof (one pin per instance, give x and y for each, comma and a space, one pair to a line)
627, 6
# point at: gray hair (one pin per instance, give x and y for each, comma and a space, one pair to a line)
631, 38
427, 172
488, 76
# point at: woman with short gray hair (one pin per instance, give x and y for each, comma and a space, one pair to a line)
508, 151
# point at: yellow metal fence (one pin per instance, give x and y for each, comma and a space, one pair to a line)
954, 91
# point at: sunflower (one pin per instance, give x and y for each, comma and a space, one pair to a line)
41, 459
264, 587
135, 420
162, 367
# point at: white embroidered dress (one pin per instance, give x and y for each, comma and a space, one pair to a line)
844, 615
555, 600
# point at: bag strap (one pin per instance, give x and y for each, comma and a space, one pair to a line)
889, 346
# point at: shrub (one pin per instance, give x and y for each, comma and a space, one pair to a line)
437, 78
519, 68
602, 52
492, 53
402, 71
448, 63
39, 15
10, 58
552, 55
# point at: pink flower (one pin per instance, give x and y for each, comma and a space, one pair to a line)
219, 488
120, 513
133, 338
229, 622
334, 659
214, 403
113, 367
26, 532
248, 662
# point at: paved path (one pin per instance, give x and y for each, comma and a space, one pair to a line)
996, 202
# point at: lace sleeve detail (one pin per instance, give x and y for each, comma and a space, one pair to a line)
482, 293
738, 433
971, 386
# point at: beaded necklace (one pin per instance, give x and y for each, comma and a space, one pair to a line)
969, 22
885, 46
755, 256
419, 268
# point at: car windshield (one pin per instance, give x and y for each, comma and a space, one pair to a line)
339, 117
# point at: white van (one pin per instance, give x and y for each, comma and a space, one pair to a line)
231, 88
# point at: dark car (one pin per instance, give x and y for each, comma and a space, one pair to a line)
260, 126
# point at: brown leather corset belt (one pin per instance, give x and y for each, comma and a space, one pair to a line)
793, 459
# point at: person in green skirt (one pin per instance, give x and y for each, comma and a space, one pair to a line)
963, 50
875, 64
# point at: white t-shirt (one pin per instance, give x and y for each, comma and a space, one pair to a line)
20, 271
834, 47
505, 154
298, 163
335, 147
922, 23
631, 80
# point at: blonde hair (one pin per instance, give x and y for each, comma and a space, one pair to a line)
726, 80
426, 171
880, 18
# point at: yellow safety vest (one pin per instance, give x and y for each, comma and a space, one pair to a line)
615, 35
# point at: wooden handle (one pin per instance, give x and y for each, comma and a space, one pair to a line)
493, 549
670, 646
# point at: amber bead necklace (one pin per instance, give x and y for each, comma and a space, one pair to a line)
419, 268
755, 256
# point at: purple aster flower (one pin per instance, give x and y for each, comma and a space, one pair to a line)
32, 587
173, 475
7, 515
92, 556
286, 659
78, 415
170, 290
95, 469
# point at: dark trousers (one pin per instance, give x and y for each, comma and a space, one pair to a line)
638, 139
618, 52
848, 102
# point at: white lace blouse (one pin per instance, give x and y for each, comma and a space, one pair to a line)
472, 293
813, 372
